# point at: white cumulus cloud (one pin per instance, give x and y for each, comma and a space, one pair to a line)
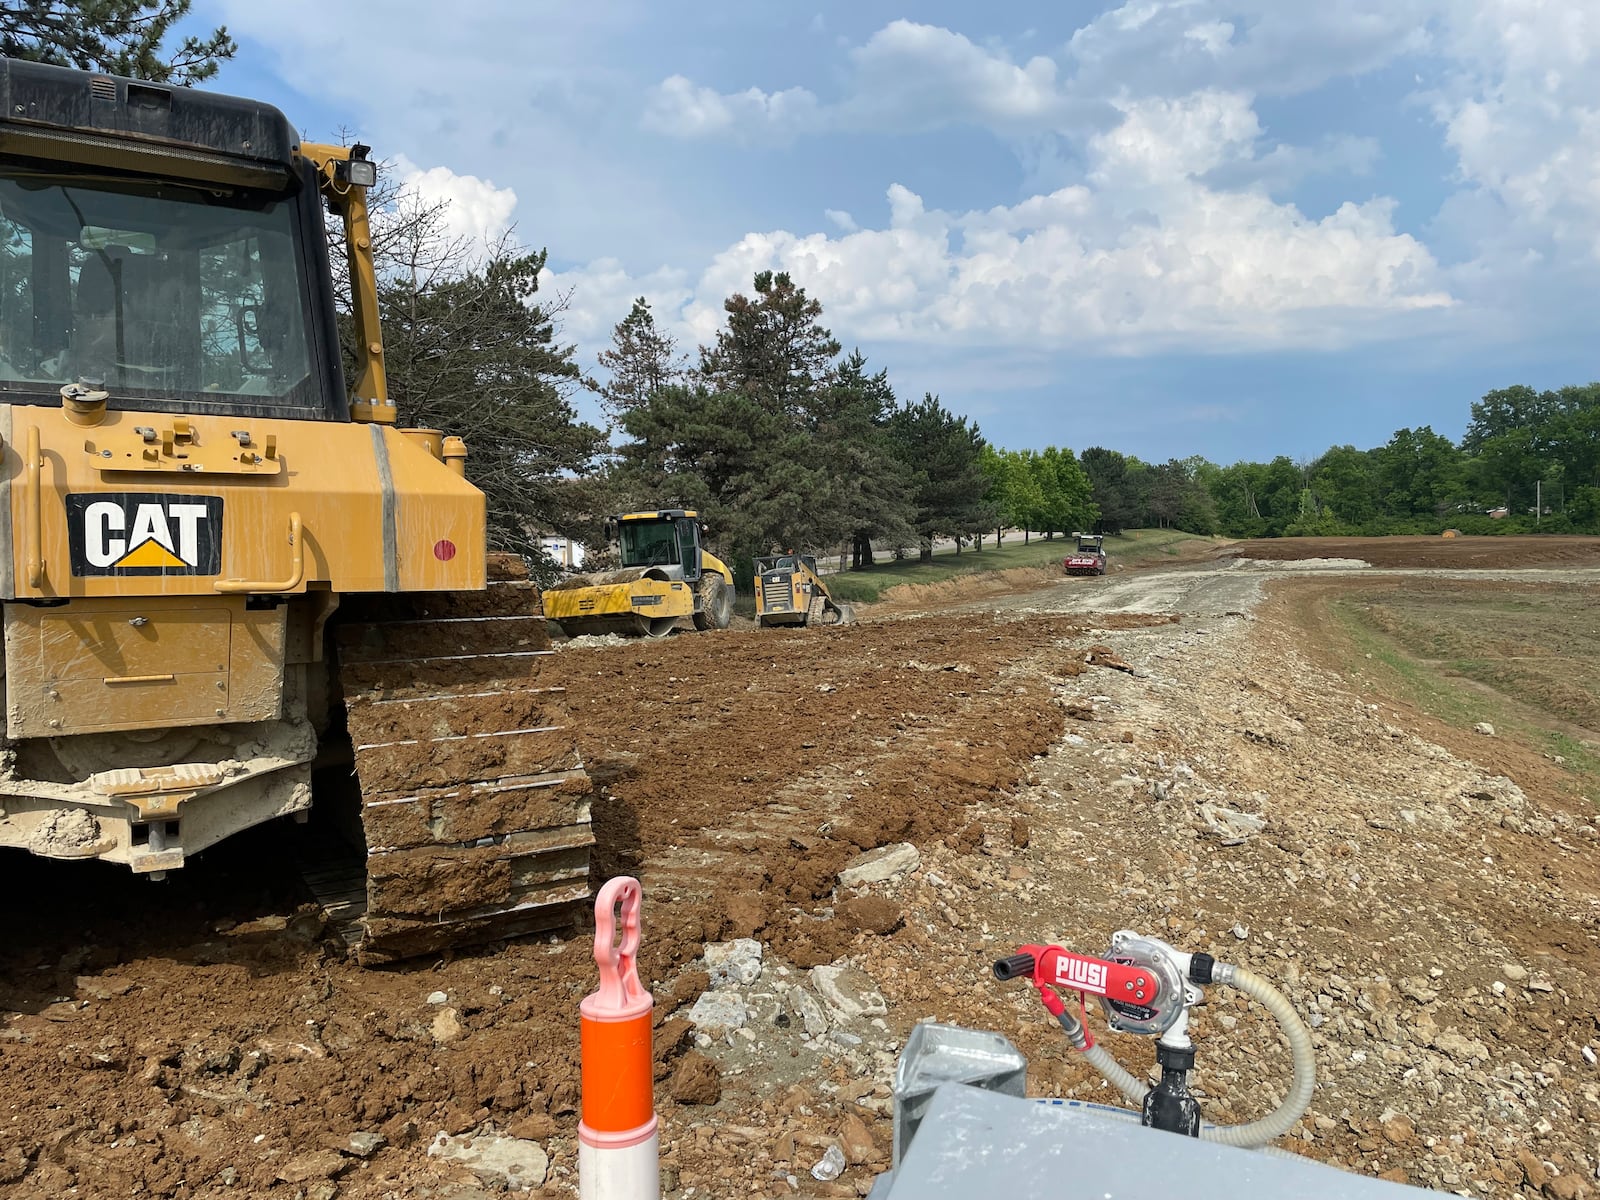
906, 77
1145, 256
1522, 114
476, 211
914, 76
681, 108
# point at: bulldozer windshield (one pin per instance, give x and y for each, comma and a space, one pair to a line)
167, 295
649, 544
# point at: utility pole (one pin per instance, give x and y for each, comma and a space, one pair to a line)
1538, 503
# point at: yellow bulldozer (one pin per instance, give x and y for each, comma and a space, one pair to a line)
223, 562
665, 576
790, 591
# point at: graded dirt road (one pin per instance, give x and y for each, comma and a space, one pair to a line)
1435, 920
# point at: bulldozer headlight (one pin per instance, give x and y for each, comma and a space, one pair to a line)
358, 170
358, 173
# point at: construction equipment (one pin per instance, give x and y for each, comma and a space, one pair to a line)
1090, 556
666, 575
790, 591
220, 566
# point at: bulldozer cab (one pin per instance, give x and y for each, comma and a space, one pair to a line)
173, 294
668, 540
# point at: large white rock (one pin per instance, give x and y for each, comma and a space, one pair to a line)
1231, 825
809, 1010
849, 992
876, 866
719, 1010
735, 962
511, 1163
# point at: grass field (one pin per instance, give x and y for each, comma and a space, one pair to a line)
1136, 547
1525, 658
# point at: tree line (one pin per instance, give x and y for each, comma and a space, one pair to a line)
783, 441
1529, 461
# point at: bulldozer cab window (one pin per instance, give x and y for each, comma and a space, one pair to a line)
168, 296
649, 544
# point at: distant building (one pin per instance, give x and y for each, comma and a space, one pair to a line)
1497, 513
563, 551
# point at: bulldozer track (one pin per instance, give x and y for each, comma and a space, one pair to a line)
474, 799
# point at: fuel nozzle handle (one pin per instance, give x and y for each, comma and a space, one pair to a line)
1015, 966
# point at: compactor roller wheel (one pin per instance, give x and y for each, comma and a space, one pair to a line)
716, 602
474, 798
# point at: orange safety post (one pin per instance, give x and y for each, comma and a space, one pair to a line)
619, 1147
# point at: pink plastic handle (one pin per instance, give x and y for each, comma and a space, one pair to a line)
620, 990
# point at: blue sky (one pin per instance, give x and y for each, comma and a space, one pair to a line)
1167, 226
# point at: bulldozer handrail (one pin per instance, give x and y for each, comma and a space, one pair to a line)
297, 550
34, 528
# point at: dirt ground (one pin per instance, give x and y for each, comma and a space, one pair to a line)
1430, 902
1431, 552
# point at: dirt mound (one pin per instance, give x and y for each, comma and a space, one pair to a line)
1459, 553
970, 586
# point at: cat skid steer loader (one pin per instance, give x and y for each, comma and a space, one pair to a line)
220, 563
790, 591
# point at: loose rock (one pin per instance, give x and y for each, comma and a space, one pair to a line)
696, 1081
810, 1010
855, 1139
363, 1145
719, 1010
1457, 1046
1232, 826
505, 1162
733, 963
447, 1026
319, 1164
872, 914
849, 992
877, 866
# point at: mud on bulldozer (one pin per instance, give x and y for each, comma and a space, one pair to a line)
666, 575
221, 564
790, 591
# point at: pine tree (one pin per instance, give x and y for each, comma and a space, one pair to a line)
641, 360
119, 37
946, 455
773, 348
475, 353
869, 488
